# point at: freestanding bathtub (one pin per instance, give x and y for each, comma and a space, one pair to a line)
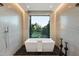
39, 45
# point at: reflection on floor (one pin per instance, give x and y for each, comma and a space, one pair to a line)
22, 52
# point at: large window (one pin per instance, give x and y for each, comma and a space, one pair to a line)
39, 27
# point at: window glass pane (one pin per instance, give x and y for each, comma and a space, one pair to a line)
39, 27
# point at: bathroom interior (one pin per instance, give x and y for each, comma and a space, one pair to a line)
39, 29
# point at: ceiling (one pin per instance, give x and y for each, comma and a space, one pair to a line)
72, 12
6, 11
39, 6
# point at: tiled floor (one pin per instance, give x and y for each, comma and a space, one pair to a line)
22, 52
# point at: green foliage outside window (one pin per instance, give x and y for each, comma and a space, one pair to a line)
40, 32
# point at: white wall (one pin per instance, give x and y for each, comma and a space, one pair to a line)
69, 31
11, 41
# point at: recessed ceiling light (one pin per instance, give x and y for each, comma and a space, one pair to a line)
28, 6
50, 6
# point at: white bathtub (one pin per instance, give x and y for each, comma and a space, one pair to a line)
39, 45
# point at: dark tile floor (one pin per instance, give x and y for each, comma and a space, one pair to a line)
22, 52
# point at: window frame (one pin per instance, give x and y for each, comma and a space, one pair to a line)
30, 23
